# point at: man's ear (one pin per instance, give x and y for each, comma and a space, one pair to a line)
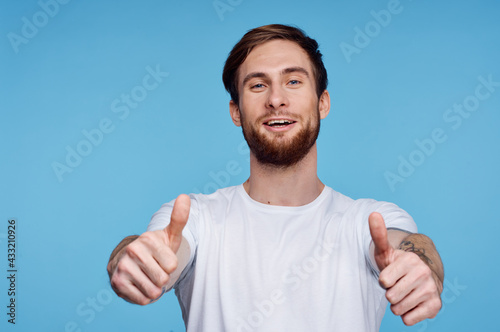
324, 104
234, 110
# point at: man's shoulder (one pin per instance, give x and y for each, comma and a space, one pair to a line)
348, 204
344, 202
356, 212
216, 195
222, 196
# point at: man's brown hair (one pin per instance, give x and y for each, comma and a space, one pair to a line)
260, 35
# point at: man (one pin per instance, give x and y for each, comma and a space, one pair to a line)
282, 251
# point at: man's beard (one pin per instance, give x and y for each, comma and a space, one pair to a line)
277, 152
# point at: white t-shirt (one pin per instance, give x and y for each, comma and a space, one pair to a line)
258, 267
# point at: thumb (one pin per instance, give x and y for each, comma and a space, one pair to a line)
383, 249
178, 220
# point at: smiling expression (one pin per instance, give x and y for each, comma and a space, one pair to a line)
279, 109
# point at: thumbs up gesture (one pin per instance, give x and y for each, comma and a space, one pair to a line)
412, 274
141, 267
178, 220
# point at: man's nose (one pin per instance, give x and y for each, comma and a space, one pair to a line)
277, 97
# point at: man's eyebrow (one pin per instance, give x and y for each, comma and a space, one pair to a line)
252, 75
285, 71
295, 69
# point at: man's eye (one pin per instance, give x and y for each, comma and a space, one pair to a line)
257, 86
294, 82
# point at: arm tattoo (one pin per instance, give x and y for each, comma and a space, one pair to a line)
409, 246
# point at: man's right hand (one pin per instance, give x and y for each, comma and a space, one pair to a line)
140, 270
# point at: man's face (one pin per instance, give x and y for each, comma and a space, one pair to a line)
279, 109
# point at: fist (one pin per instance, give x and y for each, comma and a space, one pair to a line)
412, 287
140, 271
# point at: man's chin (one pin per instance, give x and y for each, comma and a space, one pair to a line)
279, 153
280, 149
280, 161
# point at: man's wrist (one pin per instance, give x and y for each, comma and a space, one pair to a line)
425, 249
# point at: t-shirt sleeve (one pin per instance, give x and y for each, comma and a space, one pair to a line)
161, 219
394, 217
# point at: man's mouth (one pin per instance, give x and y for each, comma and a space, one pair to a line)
279, 123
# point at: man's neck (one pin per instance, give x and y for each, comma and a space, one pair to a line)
292, 186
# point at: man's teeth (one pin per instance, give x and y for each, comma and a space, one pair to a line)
278, 122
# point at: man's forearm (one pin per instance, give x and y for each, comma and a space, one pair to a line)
423, 246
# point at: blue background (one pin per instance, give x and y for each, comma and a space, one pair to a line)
396, 89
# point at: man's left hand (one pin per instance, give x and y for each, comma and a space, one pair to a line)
412, 287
